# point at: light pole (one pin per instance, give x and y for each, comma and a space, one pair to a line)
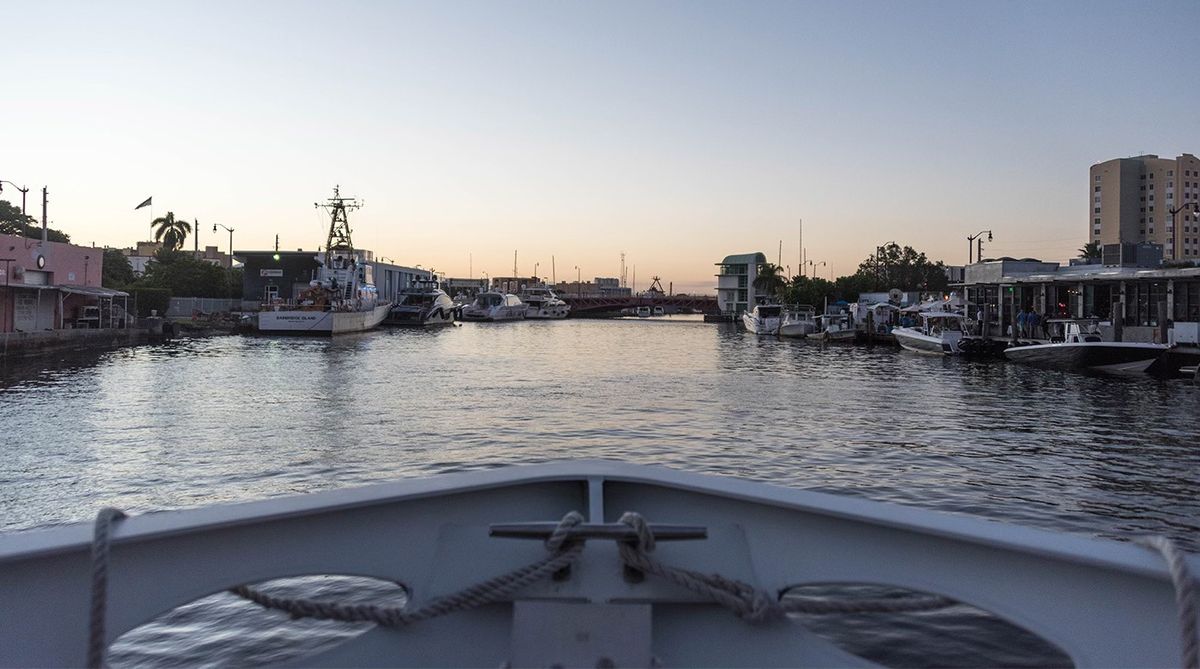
535, 270
23, 192
814, 266
215, 226
1175, 226
578, 282
971, 240
85, 269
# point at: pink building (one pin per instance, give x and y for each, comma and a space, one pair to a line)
55, 286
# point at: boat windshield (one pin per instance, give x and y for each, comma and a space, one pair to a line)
488, 300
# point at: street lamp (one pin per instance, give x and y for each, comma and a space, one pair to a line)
814, 266
578, 282
215, 226
971, 239
23, 192
1175, 226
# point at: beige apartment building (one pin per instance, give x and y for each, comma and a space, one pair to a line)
1132, 199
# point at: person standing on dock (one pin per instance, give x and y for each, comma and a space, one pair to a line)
1031, 323
1021, 318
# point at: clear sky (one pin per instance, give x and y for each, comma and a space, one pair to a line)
678, 132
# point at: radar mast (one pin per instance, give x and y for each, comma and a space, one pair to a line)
339, 224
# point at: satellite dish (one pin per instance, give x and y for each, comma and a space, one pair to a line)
895, 295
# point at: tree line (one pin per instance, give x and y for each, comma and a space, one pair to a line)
891, 266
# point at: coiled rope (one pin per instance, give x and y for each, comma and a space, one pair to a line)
562, 554
745, 600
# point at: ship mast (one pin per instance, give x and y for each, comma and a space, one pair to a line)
339, 225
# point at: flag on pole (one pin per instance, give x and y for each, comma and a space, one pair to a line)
144, 204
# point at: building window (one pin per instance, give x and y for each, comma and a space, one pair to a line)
1170, 173
1097, 221
1097, 210
1097, 189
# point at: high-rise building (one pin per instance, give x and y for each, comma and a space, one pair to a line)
1131, 201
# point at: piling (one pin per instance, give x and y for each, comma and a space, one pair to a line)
1118, 321
1162, 322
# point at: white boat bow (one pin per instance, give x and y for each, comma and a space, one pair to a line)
1104, 603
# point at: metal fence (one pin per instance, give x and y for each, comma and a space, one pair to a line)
189, 306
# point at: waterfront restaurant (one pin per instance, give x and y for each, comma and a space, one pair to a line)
55, 286
1146, 300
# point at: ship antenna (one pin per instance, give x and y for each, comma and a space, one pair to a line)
339, 224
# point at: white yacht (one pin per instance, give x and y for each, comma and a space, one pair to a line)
798, 321
341, 297
424, 303
494, 305
1085, 349
581, 564
938, 332
834, 328
764, 319
542, 303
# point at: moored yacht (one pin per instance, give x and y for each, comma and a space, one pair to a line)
542, 303
834, 328
494, 305
798, 321
341, 297
1084, 349
938, 332
764, 319
424, 303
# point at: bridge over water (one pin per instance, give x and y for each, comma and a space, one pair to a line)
670, 303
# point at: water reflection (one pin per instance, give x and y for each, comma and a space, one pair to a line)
234, 418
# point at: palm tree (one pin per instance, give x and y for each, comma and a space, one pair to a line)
1090, 251
170, 231
769, 279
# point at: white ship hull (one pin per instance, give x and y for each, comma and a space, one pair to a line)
796, 329
761, 326
501, 313
914, 340
321, 322
1104, 603
1112, 357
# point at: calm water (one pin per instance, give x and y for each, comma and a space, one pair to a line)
237, 418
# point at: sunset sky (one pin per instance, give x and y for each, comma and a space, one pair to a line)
678, 132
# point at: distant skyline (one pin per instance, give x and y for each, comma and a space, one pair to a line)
678, 132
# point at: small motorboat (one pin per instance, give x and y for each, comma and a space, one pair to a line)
1081, 348
798, 321
939, 332
424, 303
494, 305
835, 329
541, 303
586, 563
764, 319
